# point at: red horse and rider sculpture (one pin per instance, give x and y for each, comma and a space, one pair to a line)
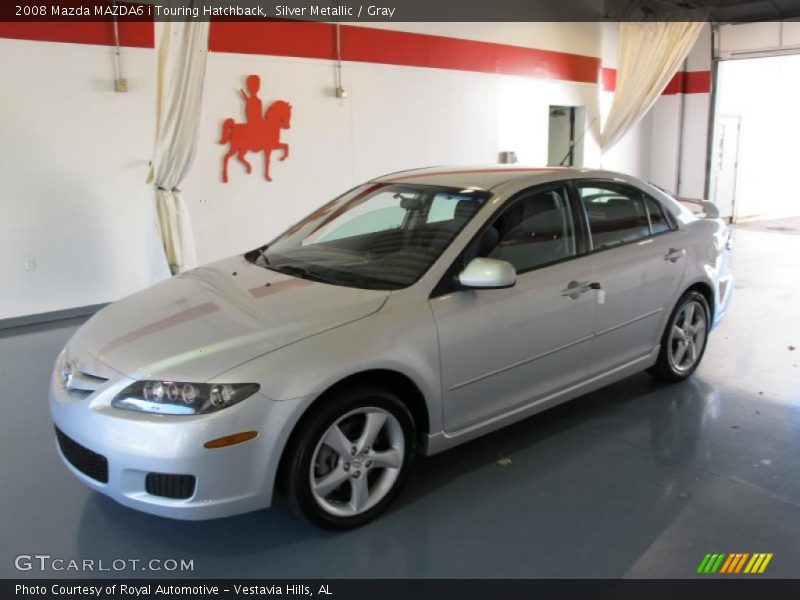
260, 132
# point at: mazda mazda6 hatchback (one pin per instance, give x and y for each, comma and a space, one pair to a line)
409, 315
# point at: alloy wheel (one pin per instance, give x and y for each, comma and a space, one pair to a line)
357, 461
687, 336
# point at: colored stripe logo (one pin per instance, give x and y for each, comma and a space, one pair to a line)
737, 562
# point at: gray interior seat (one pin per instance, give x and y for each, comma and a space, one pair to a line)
538, 240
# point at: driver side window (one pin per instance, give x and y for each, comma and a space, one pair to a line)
536, 230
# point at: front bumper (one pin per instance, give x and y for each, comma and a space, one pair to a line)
229, 481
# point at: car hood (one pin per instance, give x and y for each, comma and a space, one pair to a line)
206, 321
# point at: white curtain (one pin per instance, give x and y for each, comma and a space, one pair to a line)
181, 51
649, 56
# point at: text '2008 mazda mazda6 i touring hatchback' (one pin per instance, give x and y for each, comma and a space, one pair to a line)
409, 315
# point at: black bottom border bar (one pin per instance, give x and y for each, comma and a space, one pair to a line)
729, 588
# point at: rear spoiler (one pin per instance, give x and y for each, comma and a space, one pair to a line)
702, 209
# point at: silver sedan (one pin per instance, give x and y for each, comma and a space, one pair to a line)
407, 316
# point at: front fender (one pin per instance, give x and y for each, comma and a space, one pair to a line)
397, 338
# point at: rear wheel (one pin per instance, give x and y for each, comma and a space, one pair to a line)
684, 339
350, 457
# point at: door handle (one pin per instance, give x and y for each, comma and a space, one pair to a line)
575, 288
674, 254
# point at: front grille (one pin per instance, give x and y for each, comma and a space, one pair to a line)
83, 384
170, 486
89, 463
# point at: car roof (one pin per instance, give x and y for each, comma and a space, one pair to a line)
485, 177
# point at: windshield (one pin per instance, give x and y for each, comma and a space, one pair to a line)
378, 236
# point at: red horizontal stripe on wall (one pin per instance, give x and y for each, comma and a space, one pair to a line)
411, 49
363, 44
133, 34
274, 38
675, 85
318, 40
697, 82
609, 77
685, 82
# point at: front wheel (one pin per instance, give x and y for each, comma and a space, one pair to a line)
684, 340
350, 457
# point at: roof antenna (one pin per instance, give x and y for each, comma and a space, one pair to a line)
573, 144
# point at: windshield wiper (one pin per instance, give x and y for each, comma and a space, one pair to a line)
304, 272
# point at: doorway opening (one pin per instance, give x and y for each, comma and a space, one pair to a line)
565, 136
725, 165
752, 150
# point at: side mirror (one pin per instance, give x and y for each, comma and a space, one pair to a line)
488, 273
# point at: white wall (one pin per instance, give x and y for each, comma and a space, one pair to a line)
680, 131
72, 165
394, 118
74, 154
696, 114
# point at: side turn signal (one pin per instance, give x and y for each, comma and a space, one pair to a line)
230, 440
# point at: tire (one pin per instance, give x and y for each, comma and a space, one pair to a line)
357, 474
682, 349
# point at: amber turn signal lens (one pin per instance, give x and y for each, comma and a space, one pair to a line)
230, 440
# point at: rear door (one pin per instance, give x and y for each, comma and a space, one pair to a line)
638, 264
666, 268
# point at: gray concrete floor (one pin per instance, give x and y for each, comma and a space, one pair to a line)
636, 480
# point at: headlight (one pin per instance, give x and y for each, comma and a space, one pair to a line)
177, 398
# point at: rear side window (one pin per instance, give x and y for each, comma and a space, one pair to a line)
617, 214
658, 221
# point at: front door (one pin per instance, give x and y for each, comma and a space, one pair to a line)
501, 349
